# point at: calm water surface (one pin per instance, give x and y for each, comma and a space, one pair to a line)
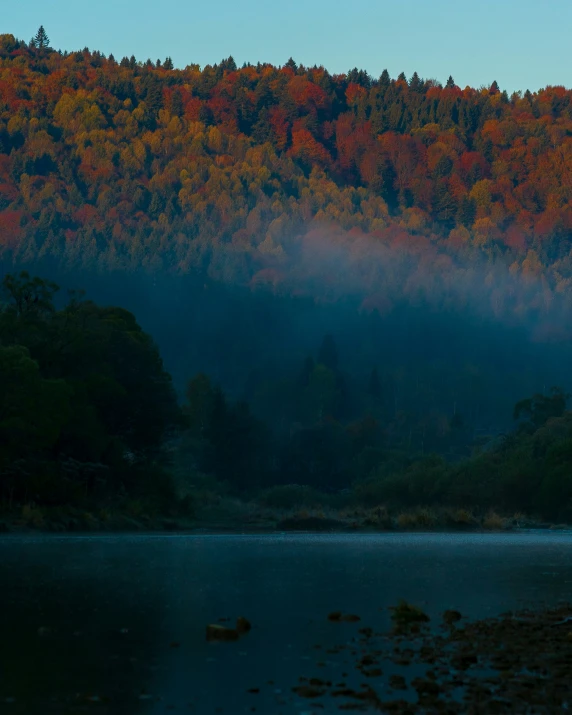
116, 624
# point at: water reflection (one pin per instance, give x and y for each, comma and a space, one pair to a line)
116, 624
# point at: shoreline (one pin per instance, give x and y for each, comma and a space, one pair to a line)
459, 665
78, 521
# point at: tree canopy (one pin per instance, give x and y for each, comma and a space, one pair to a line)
242, 171
81, 386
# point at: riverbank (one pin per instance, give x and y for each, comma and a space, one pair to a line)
516, 662
235, 516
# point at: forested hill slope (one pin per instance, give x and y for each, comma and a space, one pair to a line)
255, 174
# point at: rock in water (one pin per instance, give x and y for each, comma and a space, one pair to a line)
338, 616
405, 616
243, 625
450, 617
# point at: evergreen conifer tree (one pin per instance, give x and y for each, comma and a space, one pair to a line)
40, 39
415, 82
177, 107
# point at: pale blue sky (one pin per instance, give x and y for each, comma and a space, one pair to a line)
522, 44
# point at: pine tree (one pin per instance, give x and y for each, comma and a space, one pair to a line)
445, 204
467, 211
228, 65
168, 64
360, 77
450, 82
415, 83
40, 40
385, 79
154, 95
177, 107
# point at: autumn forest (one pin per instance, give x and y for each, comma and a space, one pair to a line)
351, 279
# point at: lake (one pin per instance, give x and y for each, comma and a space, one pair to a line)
116, 623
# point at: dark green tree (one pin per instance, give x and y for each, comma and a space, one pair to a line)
200, 396
538, 409
467, 211
153, 94
385, 79
228, 65
40, 40
415, 83
177, 107
80, 385
445, 204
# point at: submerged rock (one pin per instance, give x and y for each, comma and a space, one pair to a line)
338, 617
243, 625
307, 691
406, 617
216, 632
397, 682
450, 617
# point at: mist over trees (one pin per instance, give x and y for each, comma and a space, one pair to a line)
122, 165
346, 276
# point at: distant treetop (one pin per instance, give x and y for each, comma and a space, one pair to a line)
40, 39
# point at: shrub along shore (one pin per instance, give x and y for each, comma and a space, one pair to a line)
230, 515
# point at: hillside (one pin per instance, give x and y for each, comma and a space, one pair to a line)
254, 175
351, 280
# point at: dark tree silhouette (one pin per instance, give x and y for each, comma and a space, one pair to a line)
40, 39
